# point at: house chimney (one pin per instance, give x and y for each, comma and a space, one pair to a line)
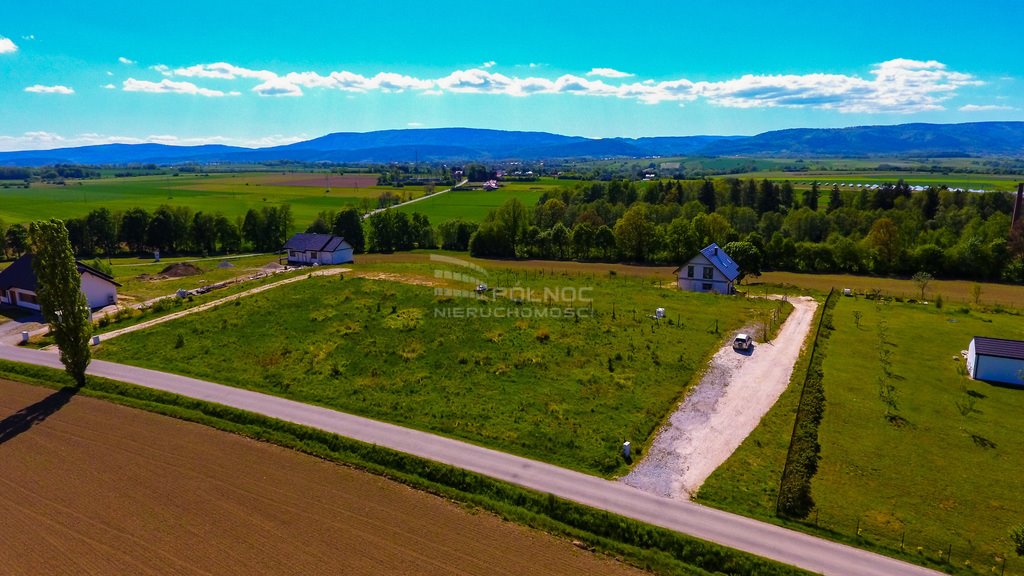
1018, 206
716, 250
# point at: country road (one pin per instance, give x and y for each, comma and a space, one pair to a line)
414, 200
760, 538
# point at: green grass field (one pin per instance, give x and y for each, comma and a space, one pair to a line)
943, 475
473, 205
960, 291
229, 194
556, 389
966, 181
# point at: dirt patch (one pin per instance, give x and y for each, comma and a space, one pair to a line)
734, 394
96, 488
330, 181
272, 266
391, 277
181, 270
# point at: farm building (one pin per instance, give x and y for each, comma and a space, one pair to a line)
996, 360
306, 249
18, 285
711, 270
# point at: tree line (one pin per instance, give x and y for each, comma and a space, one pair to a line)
169, 229
770, 225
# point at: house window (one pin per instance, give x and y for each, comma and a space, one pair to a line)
689, 271
709, 273
27, 298
312, 255
706, 286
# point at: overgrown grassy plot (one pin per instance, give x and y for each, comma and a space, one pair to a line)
943, 473
913, 455
556, 389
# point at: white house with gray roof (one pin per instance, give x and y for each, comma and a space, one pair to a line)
711, 270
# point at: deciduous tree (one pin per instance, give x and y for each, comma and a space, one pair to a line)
59, 290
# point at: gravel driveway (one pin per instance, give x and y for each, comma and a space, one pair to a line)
737, 390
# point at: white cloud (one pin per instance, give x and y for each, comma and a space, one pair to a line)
124, 60
895, 86
58, 89
984, 107
277, 87
109, 73
608, 73
414, 124
7, 45
488, 64
29, 37
166, 86
110, 87
535, 65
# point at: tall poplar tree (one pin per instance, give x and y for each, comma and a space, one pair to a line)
59, 290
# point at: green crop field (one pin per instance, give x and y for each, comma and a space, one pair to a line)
940, 477
473, 205
522, 380
229, 194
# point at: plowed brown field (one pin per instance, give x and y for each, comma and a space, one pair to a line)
96, 488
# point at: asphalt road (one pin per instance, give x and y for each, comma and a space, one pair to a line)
762, 539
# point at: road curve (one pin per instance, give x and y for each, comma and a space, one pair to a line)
760, 538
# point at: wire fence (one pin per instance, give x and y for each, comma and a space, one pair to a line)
955, 555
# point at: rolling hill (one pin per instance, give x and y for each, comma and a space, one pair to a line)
462, 144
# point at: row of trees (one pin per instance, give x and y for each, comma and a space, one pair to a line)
169, 229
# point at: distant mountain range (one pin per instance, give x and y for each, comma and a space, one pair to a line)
462, 144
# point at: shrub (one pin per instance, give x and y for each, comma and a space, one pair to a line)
1017, 537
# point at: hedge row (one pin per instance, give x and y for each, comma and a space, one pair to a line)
795, 499
648, 547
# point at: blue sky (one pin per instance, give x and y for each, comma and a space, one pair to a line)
262, 73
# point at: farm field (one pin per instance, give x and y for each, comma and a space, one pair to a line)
966, 181
230, 194
153, 495
961, 291
878, 482
521, 383
473, 205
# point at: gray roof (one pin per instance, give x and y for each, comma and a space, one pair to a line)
721, 260
316, 242
20, 274
999, 347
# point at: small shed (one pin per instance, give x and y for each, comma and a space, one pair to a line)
307, 249
711, 270
996, 360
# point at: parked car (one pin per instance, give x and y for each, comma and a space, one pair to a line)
742, 342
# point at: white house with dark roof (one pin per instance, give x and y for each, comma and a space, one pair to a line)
996, 360
307, 249
711, 270
18, 285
